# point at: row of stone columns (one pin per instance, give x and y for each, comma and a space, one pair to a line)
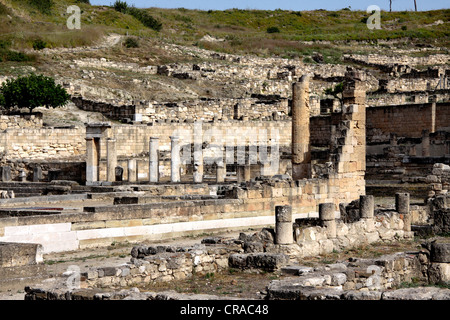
243, 171
284, 233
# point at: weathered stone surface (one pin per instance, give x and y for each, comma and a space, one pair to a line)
440, 252
439, 273
362, 295
265, 261
296, 270
428, 293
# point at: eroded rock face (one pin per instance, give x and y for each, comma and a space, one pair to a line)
440, 252
260, 260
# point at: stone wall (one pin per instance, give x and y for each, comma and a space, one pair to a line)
407, 120
252, 206
161, 264
199, 110
42, 143
408, 85
33, 120
374, 59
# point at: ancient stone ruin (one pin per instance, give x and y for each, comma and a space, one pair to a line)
309, 174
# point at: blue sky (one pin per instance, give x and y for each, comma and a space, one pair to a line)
397, 5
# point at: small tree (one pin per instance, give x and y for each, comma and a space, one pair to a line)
31, 92
336, 92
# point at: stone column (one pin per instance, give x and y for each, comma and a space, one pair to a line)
111, 159
22, 175
433, 118
284, 231
247, 172
154, 160
301, 152
327, 219
198, 162
175, 161
119, 173
221, 172
366, 207
132, 170
425, 143
240, 173
37, 174
91, 161
366, 211
402, 207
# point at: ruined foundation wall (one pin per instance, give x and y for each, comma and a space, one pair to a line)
199, 110
407, 120
33, 120
42, 143
103, 225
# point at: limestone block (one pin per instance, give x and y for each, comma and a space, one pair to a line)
310, 248
338, 279
387, 234
439, 273
325, 246
440, 252
369, 224
372, 237
308, 234
341, 229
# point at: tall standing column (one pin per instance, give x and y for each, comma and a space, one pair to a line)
247, 172
198, 153
221, 171
240, 176
301, 152
132, 170
175, 161
91, 161
154, 160
111, 159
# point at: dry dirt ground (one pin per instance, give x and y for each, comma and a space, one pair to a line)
232, 283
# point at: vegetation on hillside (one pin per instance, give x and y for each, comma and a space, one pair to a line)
262, 32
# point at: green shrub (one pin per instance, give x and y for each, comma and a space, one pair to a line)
16, 56
4, 44
43, 6
39, 44
4, 10
120, 6
273, 30
145, 18
32, 91
84, 1
404, 28
131, 43
140, 14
